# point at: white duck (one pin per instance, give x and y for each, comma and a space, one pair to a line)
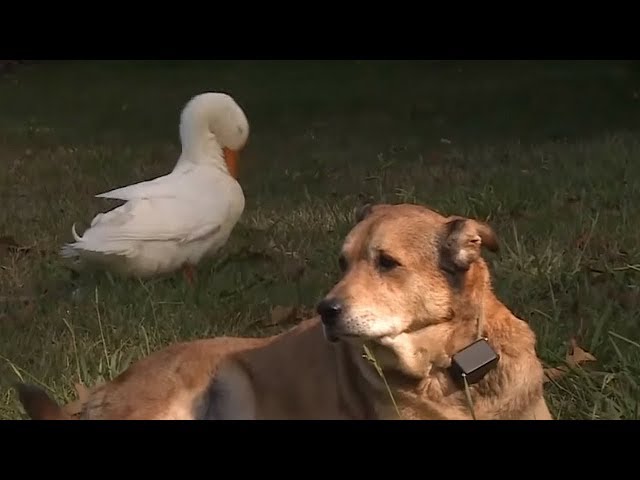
174, 221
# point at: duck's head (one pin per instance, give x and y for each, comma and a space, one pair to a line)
213, 128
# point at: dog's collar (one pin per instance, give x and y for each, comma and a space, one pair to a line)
468, 366
473, 362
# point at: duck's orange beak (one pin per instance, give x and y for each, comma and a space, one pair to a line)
231, 159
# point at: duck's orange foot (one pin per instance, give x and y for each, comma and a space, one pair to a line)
189, 273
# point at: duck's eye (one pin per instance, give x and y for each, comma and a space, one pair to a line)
386, 262
342, 263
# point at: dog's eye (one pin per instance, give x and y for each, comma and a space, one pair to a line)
342, 263
386, 263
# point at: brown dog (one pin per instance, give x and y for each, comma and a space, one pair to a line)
415, 291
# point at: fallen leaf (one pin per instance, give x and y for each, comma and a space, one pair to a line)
597, 276
293, 269
628, 299
582, 241
7, 244
575, 357
8, 241
281, 314
433, 156
258, 255
304, 313
555, 373
18, 299
25, 312
517, 213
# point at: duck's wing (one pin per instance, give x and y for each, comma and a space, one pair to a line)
167, 186
165, 219
170, 208
118, 231
159, 219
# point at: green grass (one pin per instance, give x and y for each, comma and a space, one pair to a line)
548, 152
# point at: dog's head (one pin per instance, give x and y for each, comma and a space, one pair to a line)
402, 268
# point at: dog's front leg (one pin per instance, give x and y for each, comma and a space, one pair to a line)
230, 396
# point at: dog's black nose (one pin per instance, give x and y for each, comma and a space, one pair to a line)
329, 310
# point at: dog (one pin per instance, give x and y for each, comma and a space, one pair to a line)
413, 295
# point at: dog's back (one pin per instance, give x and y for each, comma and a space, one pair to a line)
182, 372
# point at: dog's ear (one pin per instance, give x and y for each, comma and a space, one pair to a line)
38, 405
464, 239
363, 211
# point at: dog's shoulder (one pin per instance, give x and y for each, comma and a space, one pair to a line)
517, 382
293, 376
513, 335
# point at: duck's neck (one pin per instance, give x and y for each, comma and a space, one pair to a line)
200, 147
199, 144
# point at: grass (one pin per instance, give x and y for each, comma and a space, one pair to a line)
548, 152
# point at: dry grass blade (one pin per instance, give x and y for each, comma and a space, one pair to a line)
8, 245
368, 354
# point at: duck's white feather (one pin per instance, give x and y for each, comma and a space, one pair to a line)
177, 218
162, 187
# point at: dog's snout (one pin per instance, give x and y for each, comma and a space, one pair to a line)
329, 310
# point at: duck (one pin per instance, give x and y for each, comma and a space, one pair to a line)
174, 221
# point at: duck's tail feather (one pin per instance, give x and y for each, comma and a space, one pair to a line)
76, 237
69, 250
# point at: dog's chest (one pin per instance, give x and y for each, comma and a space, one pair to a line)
407, 409
434, 398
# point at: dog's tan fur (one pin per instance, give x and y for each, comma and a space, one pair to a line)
415, 289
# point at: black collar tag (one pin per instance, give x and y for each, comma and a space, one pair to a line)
473, 362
